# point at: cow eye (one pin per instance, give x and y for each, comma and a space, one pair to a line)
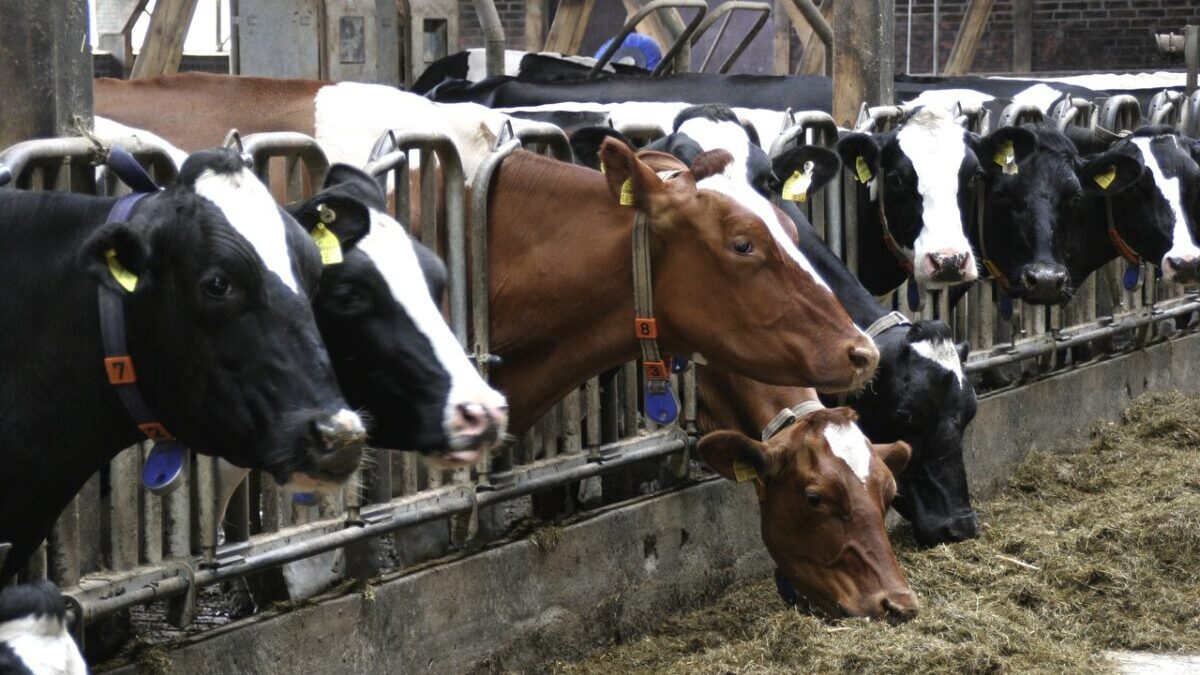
217, 286
813, 499
743, 246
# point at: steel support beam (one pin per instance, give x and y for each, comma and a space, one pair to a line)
45, 69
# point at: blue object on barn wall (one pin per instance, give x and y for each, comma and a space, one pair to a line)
641, 49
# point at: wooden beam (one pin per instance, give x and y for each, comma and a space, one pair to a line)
962, 55
863, 58
45, 68
812, 61
535, 24
163, 48
782, 24
1022, 36
570, 24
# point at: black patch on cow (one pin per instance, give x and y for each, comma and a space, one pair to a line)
585, 144
36, 598
217, 160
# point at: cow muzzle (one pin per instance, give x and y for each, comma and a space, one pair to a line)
1181, 269
338, 441
473, 428
1044, 284
949, 267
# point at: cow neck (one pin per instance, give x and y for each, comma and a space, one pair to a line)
981, 243
1123, 248
862, 307
902, 256
1086, 248
560, 287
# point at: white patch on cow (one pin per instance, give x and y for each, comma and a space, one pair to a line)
945, 99
388, 245
110, 132
1110, 81
732, 182
1040, 95
936, 147
943, 353
848, 444
250, 209
1182, 245
43, 645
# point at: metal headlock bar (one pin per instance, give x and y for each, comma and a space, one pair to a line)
1189, 124
168, 549
297, 150
726, 11
40, 163
641, 133
813, 127
701, 7
1016, 114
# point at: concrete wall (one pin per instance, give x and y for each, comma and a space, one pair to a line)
517, 605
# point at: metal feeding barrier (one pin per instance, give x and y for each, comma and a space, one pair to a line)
117, 547
681, 48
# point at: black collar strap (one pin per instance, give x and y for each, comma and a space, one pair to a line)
789, 416
166, 464
659, 399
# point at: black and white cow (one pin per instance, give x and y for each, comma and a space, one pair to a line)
919, 394
215, 282
471, 65
392, 351
914, 197
33, 632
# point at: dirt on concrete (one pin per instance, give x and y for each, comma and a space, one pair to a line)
1092, 550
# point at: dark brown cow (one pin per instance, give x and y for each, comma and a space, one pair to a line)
823, 493
562, 290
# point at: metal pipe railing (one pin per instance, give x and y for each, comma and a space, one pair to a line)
493, 36
701, 7
821, 29
725, 11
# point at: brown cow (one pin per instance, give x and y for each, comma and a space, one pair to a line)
562, 291
823, 493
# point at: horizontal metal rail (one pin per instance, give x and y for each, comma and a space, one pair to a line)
726, 11
18, 162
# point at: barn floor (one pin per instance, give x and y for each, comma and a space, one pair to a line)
1086, 552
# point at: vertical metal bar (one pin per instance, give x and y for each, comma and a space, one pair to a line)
64, 550
591, 398
428, 205
123, 508
937, 17
151, 534
177, 520
572, 432
630, 396
206, 507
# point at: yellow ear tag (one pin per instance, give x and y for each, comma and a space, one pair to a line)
795, 188
863, 171
1106, 179
128, 280
328, 245
1006, 158
743, 472
627, 192
603, 169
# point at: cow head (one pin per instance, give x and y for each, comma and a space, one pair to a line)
392, 351
220, 325
920, 395
1032, 191
802, 332
34, 636
823, 496
1154, 183
925, 171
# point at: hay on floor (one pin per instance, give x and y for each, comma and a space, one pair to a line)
1085, 551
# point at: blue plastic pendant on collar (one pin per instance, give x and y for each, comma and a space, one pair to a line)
914, 296
127, 168
1006, 306
785, 588
304, 498
1133, 274
678, 364
660, 402
165, 468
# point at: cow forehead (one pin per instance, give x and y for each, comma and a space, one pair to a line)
936, 146
252, 212
847, 443
733, 182
941, 352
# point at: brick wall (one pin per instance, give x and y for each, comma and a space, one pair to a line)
512, 16
1067, 34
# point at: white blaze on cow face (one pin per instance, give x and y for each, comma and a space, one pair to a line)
941, 352
388, 245
734, 182
43, 645
937, 147
848, 444
1183, 247
251, 211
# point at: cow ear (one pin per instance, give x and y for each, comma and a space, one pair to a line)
824, 166
683, 148
860, 154
710, 163
585, 143
118, 257
964, 350
342, 216
734, 455
630, 180
894, 456
1004, 146
1110, 173
752, 132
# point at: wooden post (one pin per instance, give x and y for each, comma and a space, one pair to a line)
1022, 36
535, 24
45, 69
863, 57
163, 47
570, 23
962, 56
783, 38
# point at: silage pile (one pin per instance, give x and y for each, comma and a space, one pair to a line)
1084, 552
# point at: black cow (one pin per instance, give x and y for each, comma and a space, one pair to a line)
215, 281
919, 394
391, 349
471, 65
33, 632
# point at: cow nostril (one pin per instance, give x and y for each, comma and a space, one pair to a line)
861, 358
1030, 277
473, 418
900, 606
